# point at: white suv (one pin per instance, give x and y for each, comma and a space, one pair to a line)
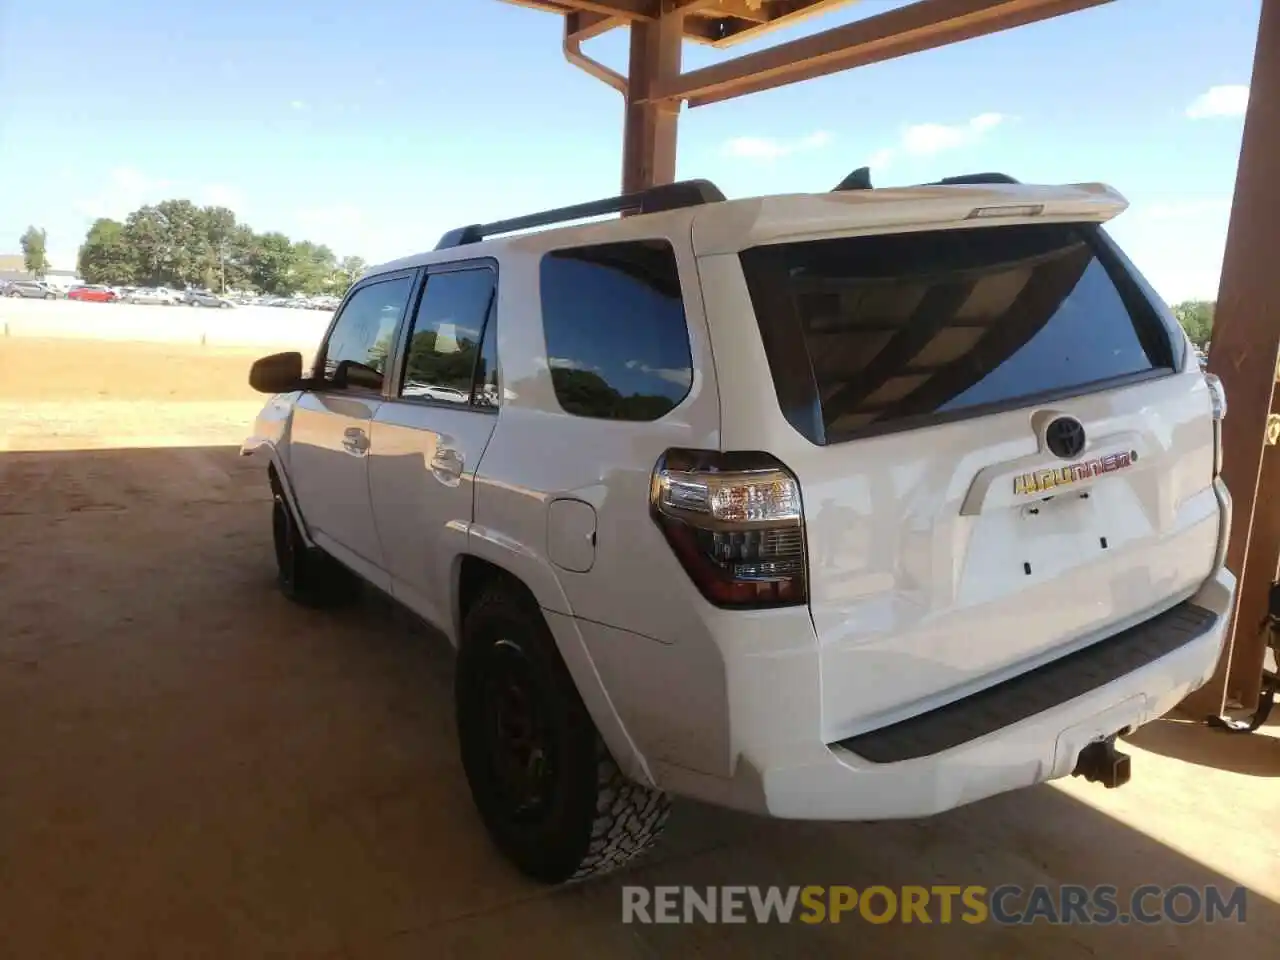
855, 505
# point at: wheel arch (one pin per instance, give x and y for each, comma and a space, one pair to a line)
278, 477
474, 573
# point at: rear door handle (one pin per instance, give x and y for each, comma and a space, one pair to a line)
355, 441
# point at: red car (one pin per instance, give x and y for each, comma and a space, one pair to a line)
96, 293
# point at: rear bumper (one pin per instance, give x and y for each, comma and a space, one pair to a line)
832, 782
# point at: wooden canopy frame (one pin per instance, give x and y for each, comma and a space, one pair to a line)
1246, 341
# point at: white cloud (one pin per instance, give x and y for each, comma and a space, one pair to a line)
567, 363
1178, 242
335, 218
1228, 100
676, 375
926, 139
221, 195
769, 149
298, 104
1183, 209
126, 190
881, 160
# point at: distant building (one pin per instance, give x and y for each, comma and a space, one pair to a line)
12, 267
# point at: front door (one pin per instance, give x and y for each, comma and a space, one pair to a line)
330, 435
429, 435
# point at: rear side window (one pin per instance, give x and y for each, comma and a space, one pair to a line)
907, 329
451, 346
617, 339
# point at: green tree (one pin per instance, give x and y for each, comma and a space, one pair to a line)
187, 242
241, 248
217, 227
176, 243
313, 266
146, 235
35, 251
1196, 318
105, 256
272, 264
348, 272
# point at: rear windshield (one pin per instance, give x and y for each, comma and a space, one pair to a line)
870, 334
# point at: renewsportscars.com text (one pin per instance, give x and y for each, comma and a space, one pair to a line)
936, 904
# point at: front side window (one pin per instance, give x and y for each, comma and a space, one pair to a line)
450, 357
617, 338
356, 354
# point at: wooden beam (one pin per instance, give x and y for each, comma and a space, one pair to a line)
624, 9
725, 8
649, 133
581, 26
920, 26
1246, 344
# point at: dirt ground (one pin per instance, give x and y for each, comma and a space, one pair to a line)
192, 767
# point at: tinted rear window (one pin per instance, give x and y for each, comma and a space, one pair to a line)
617, 339
901, 330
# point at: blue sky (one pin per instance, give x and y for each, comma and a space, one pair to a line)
373, 128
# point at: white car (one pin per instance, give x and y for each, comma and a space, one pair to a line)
160, 295
844, 506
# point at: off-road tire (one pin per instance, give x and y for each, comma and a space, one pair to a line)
306, 575
597, 819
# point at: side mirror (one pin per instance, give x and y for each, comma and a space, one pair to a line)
278, 373
352, 373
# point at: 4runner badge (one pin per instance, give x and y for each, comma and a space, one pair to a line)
1044, 481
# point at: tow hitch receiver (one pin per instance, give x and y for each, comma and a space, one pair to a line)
1102, 763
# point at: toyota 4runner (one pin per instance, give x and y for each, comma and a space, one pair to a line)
855, 505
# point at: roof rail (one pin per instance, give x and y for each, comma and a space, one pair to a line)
667, 196
974, 178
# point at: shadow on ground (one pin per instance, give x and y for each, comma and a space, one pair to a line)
1256, 754
193, 767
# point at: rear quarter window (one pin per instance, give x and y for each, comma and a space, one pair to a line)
616, 334
870, 334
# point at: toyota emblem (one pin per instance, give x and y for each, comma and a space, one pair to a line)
1065, 437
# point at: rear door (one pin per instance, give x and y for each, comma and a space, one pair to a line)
330, 433
998, 458
427, 440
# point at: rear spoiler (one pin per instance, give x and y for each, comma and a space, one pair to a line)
741, 224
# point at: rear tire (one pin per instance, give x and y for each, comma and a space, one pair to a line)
550, 795
306, 575
50, 296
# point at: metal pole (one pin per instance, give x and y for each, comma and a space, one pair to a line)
1244, 352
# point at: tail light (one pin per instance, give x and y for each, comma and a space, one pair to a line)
1218, 398
736, 524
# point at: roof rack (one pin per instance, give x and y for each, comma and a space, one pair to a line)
667, 196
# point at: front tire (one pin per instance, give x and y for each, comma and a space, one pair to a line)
550, 795
306, 575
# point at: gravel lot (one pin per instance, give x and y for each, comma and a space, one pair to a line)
191, 767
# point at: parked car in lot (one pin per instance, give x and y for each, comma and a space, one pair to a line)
846, 506
31, 290
160, 295
93, 292
203, 298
